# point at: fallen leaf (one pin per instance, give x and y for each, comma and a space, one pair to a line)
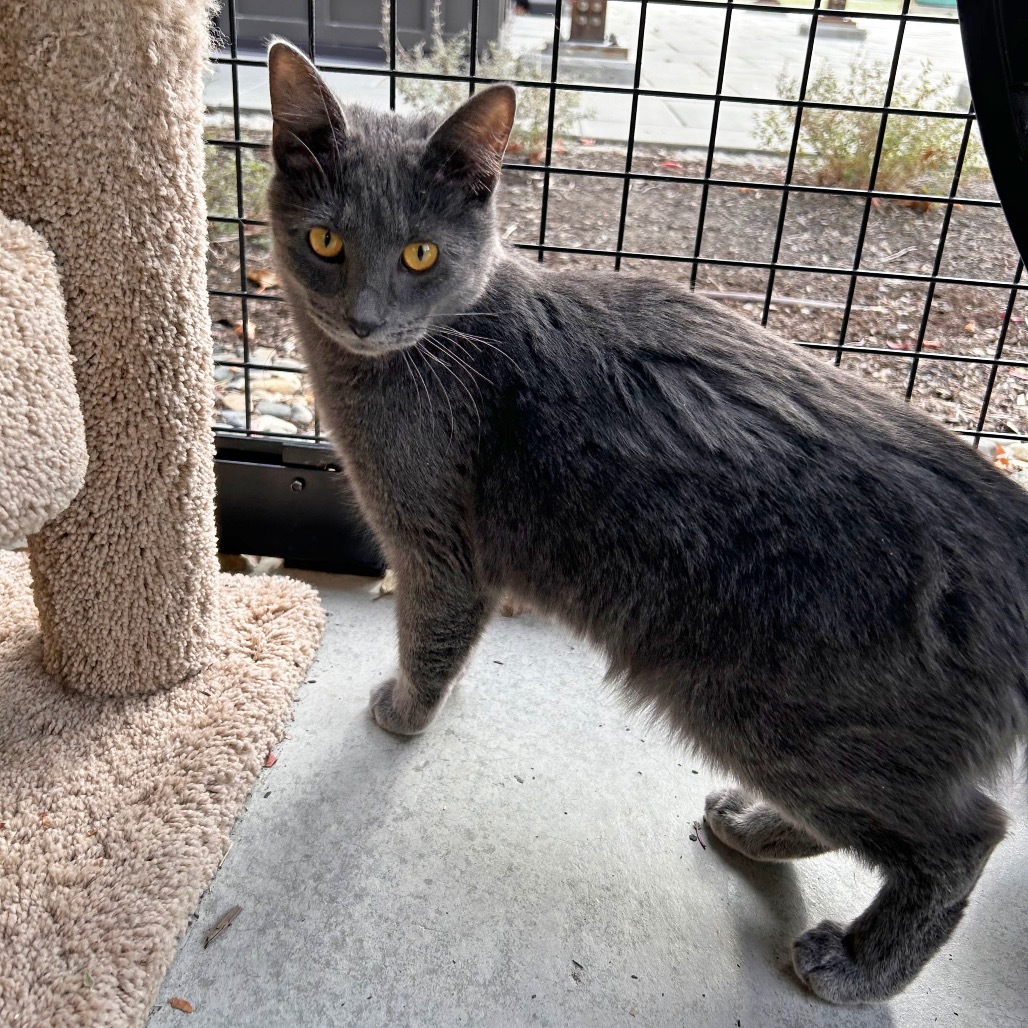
511, 608
181, 1004
265, 278
222, 923
87, 979
699, 838
251, 332
276, 384
270, 760
971, 328
388, 584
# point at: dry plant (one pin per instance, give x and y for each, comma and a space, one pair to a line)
918, 152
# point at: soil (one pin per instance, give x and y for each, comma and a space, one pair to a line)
739, 224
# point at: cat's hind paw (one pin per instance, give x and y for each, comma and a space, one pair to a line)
756, 830
725, 801
723, 811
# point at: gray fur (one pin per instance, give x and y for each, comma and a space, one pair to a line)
817, 587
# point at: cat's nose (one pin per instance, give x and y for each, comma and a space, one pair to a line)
362, 327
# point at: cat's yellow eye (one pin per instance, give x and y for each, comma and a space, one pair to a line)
420, 256
325, 243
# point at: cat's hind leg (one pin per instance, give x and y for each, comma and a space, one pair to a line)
757, 830
927, 885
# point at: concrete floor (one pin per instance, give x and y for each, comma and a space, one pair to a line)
528, 862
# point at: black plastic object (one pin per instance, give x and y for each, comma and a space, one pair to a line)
995, 34
284, 499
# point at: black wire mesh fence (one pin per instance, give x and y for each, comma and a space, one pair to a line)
844, 202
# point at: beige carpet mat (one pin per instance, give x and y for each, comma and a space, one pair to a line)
115, 813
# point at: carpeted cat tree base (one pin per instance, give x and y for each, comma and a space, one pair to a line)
140, 690
115, 811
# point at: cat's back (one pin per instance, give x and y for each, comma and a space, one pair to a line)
641, 429
682, 377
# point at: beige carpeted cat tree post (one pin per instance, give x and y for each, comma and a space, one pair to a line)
140, 694
101, 152
42, 443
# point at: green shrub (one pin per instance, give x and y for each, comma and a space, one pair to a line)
918, 153
451, 56
220, 180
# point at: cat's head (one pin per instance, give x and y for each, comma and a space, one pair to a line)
383, 224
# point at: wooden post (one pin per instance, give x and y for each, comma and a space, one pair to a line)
588, 21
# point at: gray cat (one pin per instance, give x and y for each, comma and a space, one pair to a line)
821, 590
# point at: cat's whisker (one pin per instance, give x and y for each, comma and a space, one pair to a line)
480, 340
438, 360
410, 370
460, 381
466, 314
430, 340
469, 337
464, 363
464, 351
462, 332
442, 387
456, 333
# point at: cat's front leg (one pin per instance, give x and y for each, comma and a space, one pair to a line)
440, 616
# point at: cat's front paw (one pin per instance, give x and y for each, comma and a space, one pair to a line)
392, 711
722, 811
824, 964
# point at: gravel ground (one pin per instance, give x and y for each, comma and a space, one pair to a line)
740, 224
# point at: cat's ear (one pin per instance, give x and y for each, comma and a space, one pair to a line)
308, 124
468, 146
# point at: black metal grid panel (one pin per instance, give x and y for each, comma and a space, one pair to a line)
1007, 292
